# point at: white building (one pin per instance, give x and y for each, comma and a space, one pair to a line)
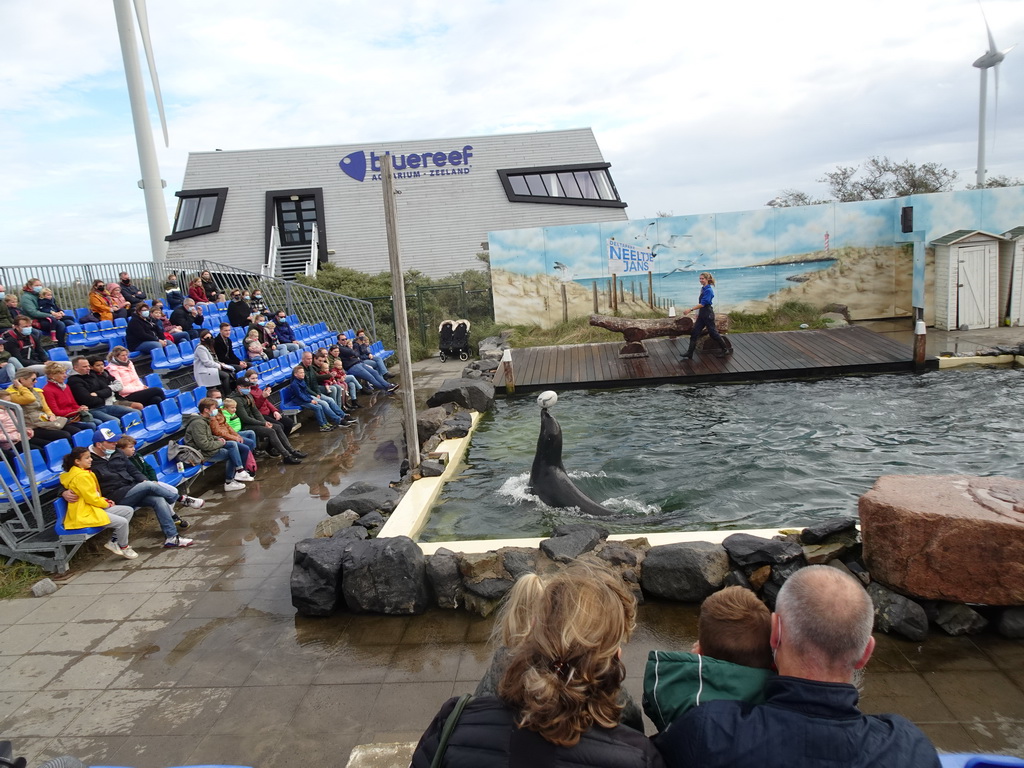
250, 207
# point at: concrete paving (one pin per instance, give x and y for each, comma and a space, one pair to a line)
196, 656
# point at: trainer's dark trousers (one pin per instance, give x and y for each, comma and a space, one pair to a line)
705, 319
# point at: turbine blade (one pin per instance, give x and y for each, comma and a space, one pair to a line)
991, 40
147, 46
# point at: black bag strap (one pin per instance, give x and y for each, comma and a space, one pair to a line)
449, 726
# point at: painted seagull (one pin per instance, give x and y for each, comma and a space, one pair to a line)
563, 272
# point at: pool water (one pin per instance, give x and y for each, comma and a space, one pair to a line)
783, 454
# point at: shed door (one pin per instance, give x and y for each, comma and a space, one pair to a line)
973, 283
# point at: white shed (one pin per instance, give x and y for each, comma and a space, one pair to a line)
967, 280
1011, 275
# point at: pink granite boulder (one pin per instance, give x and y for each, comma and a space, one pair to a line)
946, 537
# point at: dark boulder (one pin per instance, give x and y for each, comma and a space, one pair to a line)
385, 576
746, 550
475, 394
457, 425
362, 498
569, 542
1011, 623
429, 421
444, 578
819, 532
518, 561
689, 571
959, 619
371, 521
316, 575
895, 613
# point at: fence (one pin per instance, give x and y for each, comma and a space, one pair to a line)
71, 284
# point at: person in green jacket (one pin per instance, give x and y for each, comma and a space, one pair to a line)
732, 659
49, 322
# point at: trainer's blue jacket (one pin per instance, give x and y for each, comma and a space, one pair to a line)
802, 723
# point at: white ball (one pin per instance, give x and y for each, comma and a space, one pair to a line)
547, 399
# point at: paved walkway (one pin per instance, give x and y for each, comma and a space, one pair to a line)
196, 656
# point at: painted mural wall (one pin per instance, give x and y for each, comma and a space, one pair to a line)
844, 253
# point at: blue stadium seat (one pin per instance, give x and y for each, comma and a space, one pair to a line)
131, 424
61, 508
154, 380
967, 760
55, 453
59, 353
171, 412
166, 470
82, 439
11, 483
93, 336
187, 403
185, 350
155, 423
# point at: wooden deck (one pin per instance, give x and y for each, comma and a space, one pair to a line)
773, 356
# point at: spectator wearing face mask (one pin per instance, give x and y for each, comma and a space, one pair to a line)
286, 334
187, 317
256, 302
143, 334
29, 305
172, 291
132, 293
239, 311
24, 346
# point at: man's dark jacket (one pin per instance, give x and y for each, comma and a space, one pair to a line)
183, 318
25, 348
801, 723
225, 352
238, 313
116, 475
90, 390
132, 293
247, 412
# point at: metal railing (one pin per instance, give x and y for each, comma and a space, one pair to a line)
310, 269
71, 284
21, 510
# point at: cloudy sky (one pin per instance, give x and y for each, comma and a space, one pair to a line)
699, 107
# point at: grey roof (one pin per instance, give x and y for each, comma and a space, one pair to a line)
1014, 233
961, 234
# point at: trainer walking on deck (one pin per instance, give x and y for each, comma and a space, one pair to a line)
705, 317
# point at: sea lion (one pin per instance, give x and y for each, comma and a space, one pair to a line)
548, 479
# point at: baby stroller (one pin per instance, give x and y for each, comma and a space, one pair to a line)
454, 339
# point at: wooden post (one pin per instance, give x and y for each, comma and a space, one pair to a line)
404, 353
615, 294
510, 378
650, 289
594, 286
565, 305
919, 341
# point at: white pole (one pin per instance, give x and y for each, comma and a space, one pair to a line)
412, 440
152, 185
980, 177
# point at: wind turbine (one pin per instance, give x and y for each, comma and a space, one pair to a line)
989, 60
152, 185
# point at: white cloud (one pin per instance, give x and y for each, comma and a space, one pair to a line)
699, 107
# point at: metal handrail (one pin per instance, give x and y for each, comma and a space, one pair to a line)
310, 270
71, 284
28, 513
270, 266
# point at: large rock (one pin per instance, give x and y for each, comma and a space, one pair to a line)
896, 613
429, 421
445, 580
1011, 623
457, 425
947, 537
384, 576
362, 498
689, 571
817, 533
475, 394
331, 525
958, 619
316, 575
569, 542
746, 550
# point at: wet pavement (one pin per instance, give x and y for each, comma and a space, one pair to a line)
196, 656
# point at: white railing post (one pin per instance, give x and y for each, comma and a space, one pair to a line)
314, 258
270, 267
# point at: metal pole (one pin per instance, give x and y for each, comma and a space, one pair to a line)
404, 352
152, 184
980, 173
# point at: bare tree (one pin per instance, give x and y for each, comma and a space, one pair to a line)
877, 178
993, 182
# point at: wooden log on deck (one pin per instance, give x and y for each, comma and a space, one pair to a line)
634, 329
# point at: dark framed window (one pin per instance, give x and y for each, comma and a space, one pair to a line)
589, 185
199, 212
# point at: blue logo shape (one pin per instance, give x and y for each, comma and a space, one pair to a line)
354, 165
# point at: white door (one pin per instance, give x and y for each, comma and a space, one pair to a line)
973, 284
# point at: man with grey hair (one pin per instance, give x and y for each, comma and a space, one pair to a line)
821, 637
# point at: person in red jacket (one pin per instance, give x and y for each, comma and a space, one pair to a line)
61, 399
267, 408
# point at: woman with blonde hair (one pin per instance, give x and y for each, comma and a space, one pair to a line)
558, 698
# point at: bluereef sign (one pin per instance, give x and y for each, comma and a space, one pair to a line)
415, 165
623, 258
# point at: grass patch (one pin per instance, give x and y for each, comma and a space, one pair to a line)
785, 317
17, 578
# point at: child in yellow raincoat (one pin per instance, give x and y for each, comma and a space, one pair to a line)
92, 510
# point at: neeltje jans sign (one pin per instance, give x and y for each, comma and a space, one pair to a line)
623, 258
